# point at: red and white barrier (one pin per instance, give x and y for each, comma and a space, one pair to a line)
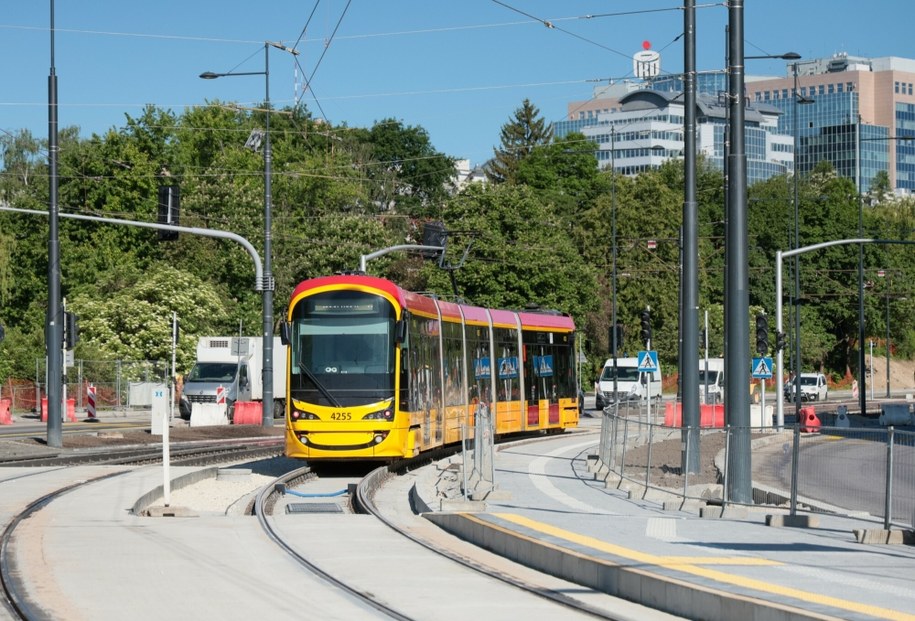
248, 413
90, 404
810, 422
6, 418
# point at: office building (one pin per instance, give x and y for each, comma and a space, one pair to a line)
862, 109
643, 128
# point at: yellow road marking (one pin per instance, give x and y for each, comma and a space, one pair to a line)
690, 565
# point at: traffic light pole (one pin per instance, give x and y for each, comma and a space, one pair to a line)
646, 338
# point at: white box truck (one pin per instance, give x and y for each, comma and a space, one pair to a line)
630, 383
234, 363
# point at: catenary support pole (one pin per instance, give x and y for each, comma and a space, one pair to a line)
689, 313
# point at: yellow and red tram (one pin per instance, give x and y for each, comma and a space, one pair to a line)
378, 372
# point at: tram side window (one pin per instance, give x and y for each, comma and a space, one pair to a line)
507, 364
479, 372
564, 357
424, 364
406, 362
454, 363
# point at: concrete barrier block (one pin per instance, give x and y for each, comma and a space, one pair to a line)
895, 414
208, 415
880, 536
793, 521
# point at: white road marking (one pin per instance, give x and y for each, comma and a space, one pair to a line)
537, 473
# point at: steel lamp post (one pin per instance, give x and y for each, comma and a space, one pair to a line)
268, 283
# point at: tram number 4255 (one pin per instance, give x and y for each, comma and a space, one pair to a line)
341, 416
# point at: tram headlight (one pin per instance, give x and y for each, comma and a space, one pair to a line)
296, 414
385, 414
379, 437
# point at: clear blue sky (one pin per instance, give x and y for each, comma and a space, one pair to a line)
457, 69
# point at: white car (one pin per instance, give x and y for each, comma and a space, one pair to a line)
813, 388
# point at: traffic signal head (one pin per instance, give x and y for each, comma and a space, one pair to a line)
646, 325
781, 341
71, 330
762, 334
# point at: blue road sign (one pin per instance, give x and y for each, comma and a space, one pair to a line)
648, 361
762, 368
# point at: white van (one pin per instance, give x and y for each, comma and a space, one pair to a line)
711, 380
630, 383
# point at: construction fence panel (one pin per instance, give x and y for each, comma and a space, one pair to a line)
112, 380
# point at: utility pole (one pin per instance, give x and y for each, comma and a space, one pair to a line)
736, 293
689, 312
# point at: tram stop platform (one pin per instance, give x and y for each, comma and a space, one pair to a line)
549, 511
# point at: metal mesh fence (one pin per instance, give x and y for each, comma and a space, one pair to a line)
112, 380
843, 470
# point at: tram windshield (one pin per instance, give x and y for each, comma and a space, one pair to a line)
342, 349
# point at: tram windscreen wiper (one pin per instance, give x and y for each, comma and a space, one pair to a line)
319, 385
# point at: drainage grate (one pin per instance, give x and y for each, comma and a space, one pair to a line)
313, 507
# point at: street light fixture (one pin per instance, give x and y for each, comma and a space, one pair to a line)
785, 56
268, 284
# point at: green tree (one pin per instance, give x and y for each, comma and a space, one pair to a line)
518, 139
407, 174
134, 321
519, 256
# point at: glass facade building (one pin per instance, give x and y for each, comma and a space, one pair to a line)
861, 118
645, 128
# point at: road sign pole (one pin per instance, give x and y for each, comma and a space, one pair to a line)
762, 401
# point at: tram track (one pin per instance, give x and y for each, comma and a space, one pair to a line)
384, 603
263, 509
362, 501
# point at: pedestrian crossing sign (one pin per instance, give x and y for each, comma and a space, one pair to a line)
762, 368
648, 361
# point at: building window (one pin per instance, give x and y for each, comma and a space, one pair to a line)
896, 85
830, 89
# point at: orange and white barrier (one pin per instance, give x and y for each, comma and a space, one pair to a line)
6, 418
